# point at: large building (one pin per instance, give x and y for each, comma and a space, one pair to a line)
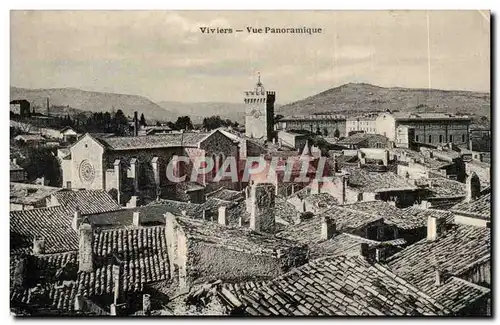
259, 112
328, 125
365, 123
428, 128
132, 166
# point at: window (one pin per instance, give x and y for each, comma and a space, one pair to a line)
441, 138
68, 185
451, 138
416, 138
463, 137
430, 138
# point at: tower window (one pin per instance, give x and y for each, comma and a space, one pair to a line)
441, 138
430, 138
451, 138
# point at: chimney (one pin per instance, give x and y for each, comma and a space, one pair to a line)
262, 207
439, 277
222, 216
385, 158
136, 124
78, 302
85, 253
146, 304
364, 249
77, 219
204, 214
116, 283
472, 187
328, 228
136, 219
14, 160
38, 245
434, 227
380, 254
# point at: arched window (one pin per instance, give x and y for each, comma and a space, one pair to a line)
441, 138
463, 137
451, 138
430, 138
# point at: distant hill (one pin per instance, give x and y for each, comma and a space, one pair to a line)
352, 99
92, 101
197, 111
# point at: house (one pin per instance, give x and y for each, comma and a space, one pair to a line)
25, 196
30, 139
292, 140
452, 265
364, 140
201, 250
68, 134
17, 173
365, 124
327, 125
427, 128
328, 286
476, 211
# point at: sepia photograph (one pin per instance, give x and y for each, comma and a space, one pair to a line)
250, 163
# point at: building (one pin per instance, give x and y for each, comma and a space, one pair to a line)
134, 167
365, 124
21, 107
292, 140
67, 134
364, 140
259, 112
452, 265
17, 173
30, 196
426, 128
326, 125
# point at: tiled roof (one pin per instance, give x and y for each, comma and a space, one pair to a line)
309, 231
321, 201
53, 224
23, 193
88, 201
428, 116
408, 155
186, 139
360, 137
347, 245
314, 118
457, 294
419, 216
285, 211
30, 137
479, 208
408, 218
142, 251
225, 194
442, 187
454, 250
366, 181
340, 285
235, 238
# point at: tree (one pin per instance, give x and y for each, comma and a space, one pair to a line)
325, 132
318, 131
336, 133
158, 123
214, 122
120, 123
183, 123
142, 120
41, 162
278, 117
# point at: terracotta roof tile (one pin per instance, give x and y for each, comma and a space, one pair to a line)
479, 208
88, 201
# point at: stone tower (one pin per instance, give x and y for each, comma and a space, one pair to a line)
259, 112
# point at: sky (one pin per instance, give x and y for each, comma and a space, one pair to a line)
164, 56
